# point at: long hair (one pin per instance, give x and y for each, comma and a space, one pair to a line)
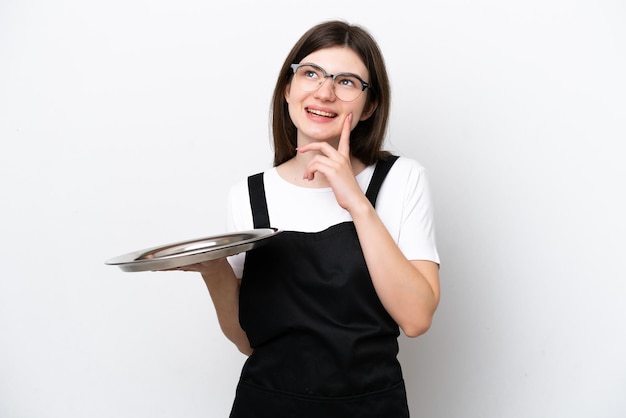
366, 140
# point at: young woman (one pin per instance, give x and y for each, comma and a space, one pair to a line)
319, 308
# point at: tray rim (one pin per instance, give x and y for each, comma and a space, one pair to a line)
131, 263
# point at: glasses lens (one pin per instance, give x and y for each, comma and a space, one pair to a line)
309, 77
347, 87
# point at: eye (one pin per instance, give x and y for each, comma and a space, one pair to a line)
347, 81
311, 72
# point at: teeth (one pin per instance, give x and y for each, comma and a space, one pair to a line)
321, 113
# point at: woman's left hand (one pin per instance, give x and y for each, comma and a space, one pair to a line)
335, 165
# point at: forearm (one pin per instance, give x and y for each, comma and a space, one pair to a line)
408, 290
223, 287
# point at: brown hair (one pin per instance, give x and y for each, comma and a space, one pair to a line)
366, 139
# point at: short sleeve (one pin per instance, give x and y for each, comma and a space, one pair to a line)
238, 218
406, 208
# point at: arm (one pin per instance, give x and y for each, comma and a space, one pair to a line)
411, 293
409, 290
223, 286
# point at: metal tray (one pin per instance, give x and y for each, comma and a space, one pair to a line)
193, 251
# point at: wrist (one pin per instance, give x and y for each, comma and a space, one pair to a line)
214, 268
361, 209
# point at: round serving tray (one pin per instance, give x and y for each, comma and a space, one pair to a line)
194, 251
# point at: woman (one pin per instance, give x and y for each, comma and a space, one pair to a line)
319, 307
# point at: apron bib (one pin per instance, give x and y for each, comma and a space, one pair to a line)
324, 346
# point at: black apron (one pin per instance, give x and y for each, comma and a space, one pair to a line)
324, 345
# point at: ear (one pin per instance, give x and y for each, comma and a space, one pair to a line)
287, 90
368, 110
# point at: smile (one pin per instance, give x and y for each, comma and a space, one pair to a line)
318, 112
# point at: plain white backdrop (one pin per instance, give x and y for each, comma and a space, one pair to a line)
124, 123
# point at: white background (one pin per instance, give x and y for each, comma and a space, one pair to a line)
123, 124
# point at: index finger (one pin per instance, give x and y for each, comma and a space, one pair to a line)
344, 139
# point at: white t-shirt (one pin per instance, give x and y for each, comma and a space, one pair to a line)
404, 205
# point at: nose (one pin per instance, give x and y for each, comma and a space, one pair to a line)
326, 90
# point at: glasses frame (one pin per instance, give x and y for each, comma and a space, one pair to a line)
364, 84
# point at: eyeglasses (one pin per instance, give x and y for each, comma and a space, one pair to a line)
346, 86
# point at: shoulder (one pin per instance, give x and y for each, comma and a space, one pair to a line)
239, 191
407, 165
240, 186
407, 172
239, 212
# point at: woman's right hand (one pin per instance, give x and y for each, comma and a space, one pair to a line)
206, 268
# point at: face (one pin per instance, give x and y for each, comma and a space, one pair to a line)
318, 115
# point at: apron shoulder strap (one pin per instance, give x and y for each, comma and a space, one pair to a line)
258, 204
380, 172
256, 190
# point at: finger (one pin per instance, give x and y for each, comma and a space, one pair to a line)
344, 140
319, 164
324, 147
327, 156
188, 267
174, 269
325, 150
